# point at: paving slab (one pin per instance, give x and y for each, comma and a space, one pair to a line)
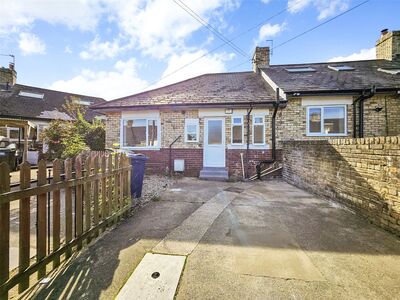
155, 278
183, 239
269, 241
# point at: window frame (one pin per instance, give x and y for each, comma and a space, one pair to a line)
321, 133
254, 124
147, 119
9, 129
195, 122
232, 125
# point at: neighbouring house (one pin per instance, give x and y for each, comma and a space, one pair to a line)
220, 125
34, 105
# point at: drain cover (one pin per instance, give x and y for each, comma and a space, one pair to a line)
234, 189
146, 283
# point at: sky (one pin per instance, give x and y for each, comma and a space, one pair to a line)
115, 48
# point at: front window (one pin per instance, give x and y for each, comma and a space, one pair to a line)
258, 130
237, 130
140, 133
14, 133
326, 120
191, 130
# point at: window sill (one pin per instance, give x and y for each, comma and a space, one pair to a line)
327, 135
251, 146
140, 148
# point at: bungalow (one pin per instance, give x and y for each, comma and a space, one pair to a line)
227, 124
35, 106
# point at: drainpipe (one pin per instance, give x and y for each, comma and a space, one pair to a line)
273, 137
360, 100
170, 154
248, 140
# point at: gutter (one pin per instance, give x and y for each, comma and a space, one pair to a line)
118, 108
360, 100
350, 92
273, 137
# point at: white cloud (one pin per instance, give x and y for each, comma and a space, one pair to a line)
209, 64
268, 31
265, 1
82, 14
67, 49
31, 44
157, 28
160, 27
363, 54
101, 50
326, 8
123, 80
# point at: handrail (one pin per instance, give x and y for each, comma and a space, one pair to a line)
170, 153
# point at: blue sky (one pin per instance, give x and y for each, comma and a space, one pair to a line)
113, 48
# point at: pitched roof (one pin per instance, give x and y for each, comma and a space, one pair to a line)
29, 104
219, 88
324, 79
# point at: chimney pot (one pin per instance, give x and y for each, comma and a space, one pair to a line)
11, 66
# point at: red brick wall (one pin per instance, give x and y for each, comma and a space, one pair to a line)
234, 164
158, 162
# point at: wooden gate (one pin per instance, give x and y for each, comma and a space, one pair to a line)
69, 210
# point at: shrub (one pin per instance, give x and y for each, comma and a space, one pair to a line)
69, 138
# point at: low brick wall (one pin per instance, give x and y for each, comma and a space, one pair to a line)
361, 173
158, 162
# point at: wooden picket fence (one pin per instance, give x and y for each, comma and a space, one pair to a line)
96, 190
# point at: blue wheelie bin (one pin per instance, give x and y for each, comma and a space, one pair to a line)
138, 162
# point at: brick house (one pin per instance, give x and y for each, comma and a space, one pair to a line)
226, 124
37, 105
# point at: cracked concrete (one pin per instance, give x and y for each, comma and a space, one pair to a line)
271, 241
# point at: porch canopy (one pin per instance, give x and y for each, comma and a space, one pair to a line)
18, 123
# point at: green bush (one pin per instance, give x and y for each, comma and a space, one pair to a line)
69, 138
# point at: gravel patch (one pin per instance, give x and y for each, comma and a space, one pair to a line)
153, 185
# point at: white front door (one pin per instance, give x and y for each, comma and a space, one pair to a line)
214, 142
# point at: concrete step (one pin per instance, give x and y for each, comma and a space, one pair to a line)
219, 174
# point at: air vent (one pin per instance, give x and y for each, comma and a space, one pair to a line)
341, 68
31, 95
300, 70
393, 71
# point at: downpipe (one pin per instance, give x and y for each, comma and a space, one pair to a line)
273, 137
360, 101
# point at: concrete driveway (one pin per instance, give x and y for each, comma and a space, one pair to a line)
263, 240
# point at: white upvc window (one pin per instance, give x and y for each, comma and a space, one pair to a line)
237, 132
258, 130
140, 133
327, 120
191, 130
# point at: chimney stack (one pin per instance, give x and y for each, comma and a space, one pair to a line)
260, 58
388, 45
8, 75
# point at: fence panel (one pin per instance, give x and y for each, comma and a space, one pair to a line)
56, 211
4, 228
78, 201
41, 219
94, 197
24, 225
